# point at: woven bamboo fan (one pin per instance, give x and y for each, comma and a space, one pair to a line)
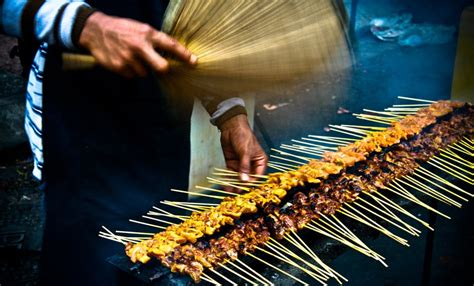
249, 45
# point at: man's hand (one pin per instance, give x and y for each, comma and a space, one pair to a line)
127, 46
242, 152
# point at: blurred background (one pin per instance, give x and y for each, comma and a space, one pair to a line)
401, 48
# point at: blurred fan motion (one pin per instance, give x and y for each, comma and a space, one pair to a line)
250, 45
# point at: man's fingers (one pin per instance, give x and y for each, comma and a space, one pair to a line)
138, 68
260, 169
154, 60
166, 43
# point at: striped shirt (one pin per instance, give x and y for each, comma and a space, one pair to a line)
53, 23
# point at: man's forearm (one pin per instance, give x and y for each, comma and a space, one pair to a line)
53, 22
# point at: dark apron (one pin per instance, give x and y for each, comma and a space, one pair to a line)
112, 148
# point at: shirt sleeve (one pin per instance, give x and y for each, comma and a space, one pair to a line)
222, 109
56, 22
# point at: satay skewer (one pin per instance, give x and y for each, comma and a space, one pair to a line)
277, 269
251, 270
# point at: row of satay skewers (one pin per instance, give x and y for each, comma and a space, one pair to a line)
180, 247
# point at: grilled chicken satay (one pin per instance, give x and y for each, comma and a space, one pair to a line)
376, 172
210, 221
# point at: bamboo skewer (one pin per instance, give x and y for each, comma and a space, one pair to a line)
158, 220
353, 241
277, 167
288, 160
463, 149
369, 222
179, 206
167, 215
250, 274
432, 175
427, 192
112, 239
329, 223
349, 129
401, 191
331, 272
237, 274
291, 155
347, 133
414, 104
409, 229
209, 279
394, 110
325, 273
448, 150
236, 180
452, 165
416, 99
282, 248
198, 194
454, 147
288, 261
431, 190
135, 232
287, 165
223, 277
374, 120
442, 162
365, 127
319, 149
222, 183
147, 224
278, 249
109, 232
466, 145
409, 196
414, 230
191, 207
386, 113
215, 190
382, 199
338, 138
237, 173
381, 228
469, 140
317, 141
451, 172
458, 159
254, 272
326, 232
378, 119
358, 240
302, 150
441, 187
119, 238
276, 268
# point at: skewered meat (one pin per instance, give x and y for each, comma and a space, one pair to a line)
374, 173
327, 201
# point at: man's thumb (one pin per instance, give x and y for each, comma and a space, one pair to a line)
244, 168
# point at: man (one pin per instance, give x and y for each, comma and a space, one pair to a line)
113, 143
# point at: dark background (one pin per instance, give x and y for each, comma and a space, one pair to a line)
383, 71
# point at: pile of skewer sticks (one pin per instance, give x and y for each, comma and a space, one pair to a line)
441, 179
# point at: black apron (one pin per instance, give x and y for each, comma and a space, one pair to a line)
112, 149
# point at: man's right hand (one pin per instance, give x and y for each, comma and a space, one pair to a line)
127, 46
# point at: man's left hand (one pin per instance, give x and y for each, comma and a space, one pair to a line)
242, 152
